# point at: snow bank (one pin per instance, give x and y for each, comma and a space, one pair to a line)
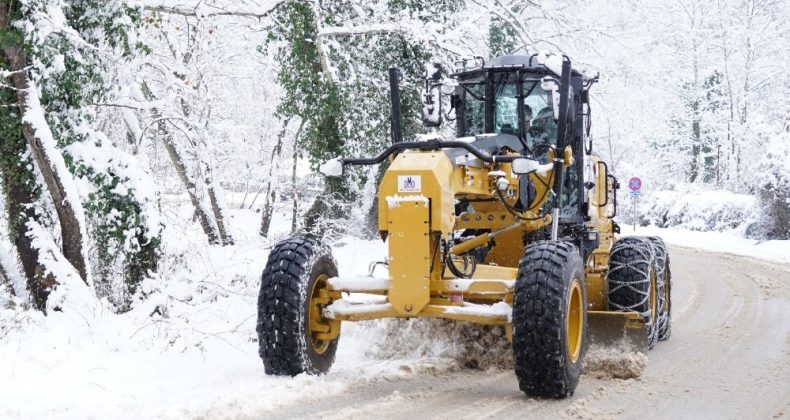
730, 242
691, 208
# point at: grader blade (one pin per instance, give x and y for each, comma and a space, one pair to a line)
616, 329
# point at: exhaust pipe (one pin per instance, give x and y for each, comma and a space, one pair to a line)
396, 119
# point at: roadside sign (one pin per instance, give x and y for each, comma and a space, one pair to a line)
635, 184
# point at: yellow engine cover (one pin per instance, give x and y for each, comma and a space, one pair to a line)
427, 174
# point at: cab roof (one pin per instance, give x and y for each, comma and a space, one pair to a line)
477, 65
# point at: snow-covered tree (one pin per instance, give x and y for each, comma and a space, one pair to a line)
55, 53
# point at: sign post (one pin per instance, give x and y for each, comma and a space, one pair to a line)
635, 185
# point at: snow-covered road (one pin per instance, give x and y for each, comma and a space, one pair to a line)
729, 357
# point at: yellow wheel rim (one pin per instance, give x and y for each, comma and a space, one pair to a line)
322, 330
574, 321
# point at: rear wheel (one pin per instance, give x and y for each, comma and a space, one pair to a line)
633, 280
549, 319
293, 335
664, 288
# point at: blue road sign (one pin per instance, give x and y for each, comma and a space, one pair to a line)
634, 184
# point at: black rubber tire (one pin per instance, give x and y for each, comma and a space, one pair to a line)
664, 288
293, 267
540, 305
632, 268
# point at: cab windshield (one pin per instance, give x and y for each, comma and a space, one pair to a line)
538, 122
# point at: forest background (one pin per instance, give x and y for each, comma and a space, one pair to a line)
133, 132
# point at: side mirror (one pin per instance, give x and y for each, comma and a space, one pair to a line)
432, 106
432, 95
433, 72
552, 85
332, 167
524, 166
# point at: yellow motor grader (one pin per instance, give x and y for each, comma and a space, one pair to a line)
509, 223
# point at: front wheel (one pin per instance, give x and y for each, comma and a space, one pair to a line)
549, 319
293, 335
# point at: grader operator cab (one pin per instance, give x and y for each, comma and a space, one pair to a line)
509, 223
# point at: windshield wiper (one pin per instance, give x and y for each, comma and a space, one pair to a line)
479, 98
522, 131
534, 85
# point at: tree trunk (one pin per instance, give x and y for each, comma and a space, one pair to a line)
271, 193
328, 207
205, 221
696, 137
295, 210
208, 179
20, 194
19, 209
219, 216
67, 206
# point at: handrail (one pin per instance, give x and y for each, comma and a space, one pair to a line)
430, 145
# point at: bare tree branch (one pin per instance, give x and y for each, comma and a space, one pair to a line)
198, 9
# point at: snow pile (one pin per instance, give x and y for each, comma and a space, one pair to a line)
455, 344
620, 362
692, 208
